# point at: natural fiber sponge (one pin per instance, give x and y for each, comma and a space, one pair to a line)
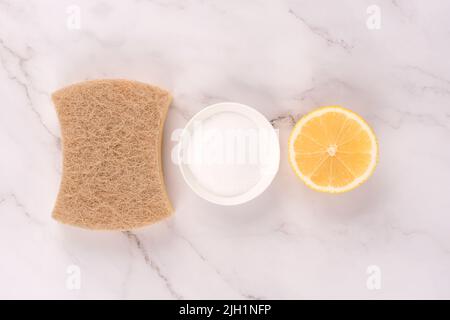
111, 139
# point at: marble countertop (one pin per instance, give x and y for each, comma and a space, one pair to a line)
387, 60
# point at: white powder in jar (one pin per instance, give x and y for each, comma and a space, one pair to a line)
224, 154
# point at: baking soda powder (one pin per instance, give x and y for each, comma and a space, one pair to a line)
226, 153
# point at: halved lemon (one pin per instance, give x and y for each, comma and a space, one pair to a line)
333, 150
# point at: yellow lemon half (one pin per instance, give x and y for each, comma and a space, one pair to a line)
333, 149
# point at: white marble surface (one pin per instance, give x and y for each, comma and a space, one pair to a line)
282, 57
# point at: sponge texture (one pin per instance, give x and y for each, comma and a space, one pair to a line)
111, 139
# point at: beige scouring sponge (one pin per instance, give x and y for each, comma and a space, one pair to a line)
111, 139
